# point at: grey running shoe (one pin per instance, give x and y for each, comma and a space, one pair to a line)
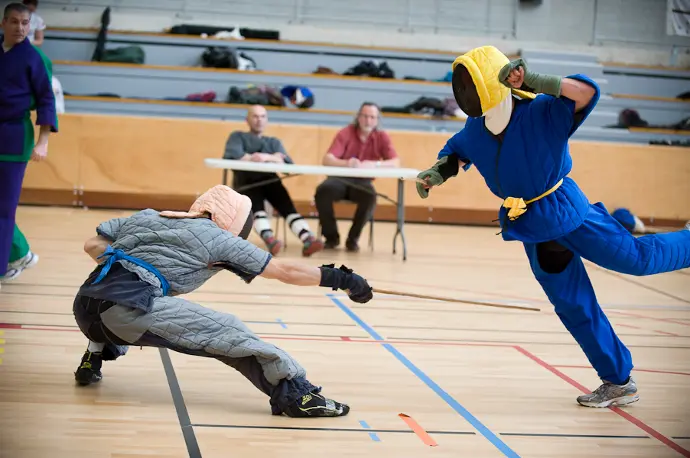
609, 394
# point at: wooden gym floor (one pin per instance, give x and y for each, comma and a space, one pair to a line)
471, 381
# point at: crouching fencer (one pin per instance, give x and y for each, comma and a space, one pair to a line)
149, 258
518, 141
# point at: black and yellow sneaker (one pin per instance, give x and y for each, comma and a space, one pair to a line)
315, 405
89, 370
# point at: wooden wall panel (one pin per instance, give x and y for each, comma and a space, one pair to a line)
653, 181
161, 160
61, 170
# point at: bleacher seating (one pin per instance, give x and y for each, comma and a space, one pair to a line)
331, 92
221, 111
172, 70
659, 110
270, 55
650, 81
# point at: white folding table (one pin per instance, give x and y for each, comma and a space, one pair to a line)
400, 174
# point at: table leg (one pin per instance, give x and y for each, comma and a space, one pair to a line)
225, 176
400, 219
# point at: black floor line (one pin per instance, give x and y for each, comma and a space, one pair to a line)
178, 400
343, 430
409, 431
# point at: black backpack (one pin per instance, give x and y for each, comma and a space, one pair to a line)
220, 57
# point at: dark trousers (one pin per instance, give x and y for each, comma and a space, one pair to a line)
87, 312
336, 189
11, 177
274, 192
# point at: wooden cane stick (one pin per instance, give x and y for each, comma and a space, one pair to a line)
448, 299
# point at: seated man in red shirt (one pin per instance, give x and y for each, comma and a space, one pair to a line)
359, 145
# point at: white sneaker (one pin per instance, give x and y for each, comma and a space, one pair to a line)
10, 275
17, 267
27, 261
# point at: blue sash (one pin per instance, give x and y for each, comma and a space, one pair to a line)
118, 255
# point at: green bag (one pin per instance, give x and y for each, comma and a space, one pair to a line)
124, 54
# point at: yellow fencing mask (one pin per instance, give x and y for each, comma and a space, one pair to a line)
477, 89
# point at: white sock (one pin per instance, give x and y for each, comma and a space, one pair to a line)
262, 225
95, 347
639, 226
298, 225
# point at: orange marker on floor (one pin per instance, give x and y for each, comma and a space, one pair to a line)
419, 431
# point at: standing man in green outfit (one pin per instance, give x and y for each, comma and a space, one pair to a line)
25, 85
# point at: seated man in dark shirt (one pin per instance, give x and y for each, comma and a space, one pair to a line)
256, 147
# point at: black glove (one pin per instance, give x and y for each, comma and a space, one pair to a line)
357, 288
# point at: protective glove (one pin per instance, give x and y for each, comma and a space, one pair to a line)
437, 175
357, 288
534, 82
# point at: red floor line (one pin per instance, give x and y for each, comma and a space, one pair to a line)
387, 341
668, 333
10, 326
637, 315
653, 371
317, 339
277, 337
48, 328
635, 421
628, 326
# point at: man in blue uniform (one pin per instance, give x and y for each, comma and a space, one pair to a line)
25, 84
518, 141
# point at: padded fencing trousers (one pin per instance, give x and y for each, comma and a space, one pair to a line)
559, 268
186, 327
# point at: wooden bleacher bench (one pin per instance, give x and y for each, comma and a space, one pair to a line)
242, 107
278, 43
258, 72
649, 98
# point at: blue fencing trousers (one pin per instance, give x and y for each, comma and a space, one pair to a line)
604, 241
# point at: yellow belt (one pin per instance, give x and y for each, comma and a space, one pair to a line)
517, 205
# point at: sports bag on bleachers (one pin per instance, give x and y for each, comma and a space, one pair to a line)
220, 57
256, 95
124, 54
195, 29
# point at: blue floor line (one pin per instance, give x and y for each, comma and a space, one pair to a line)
373, 435
479, 426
